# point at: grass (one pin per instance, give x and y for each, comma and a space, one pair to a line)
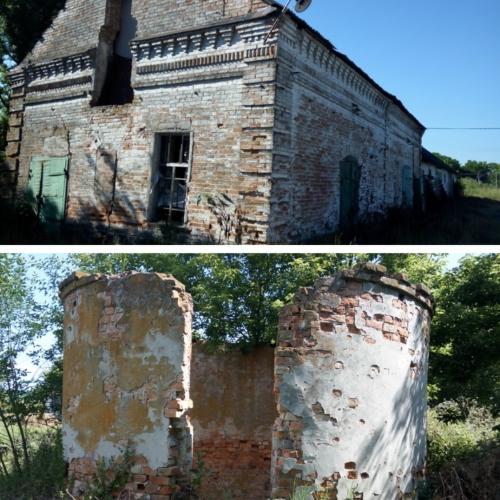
471, 218
41, 479
474, 189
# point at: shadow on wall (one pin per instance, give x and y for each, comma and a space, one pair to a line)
409, 412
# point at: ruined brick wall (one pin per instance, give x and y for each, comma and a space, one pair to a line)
74, 30
267, 142
126, 378
176, 16
327, 111
216, 83
233, 414
350, 378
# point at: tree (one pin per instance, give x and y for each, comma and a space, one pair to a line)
481, 169
451, 162
237, 298
420, 268
23, 320
15, 338
23, 23
465, 358
21, 26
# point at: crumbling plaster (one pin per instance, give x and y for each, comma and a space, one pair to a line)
271, 123
349, 402
350, 377
127, 369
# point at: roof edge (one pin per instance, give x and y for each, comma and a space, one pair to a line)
329, 45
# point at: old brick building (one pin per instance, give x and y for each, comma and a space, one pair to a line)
128, 113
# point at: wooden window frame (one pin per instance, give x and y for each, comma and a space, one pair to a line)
157, 164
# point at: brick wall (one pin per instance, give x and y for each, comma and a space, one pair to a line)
75, 29
178, 15
271, 123
126, 379
233, 413
326, 111
350, 379
220, 90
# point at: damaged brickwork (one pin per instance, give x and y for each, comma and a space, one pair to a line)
127, 349
233, 415
285, 140
350, 382
339, 404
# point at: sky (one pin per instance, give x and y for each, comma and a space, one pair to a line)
440, 57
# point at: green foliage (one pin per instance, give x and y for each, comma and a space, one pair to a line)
44, 476
236, 297
483, 170
451, 162
452, 441
111, 476
465, 350
23, 24
420, 268
23, 320
302, 493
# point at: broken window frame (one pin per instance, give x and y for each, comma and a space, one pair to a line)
156, 177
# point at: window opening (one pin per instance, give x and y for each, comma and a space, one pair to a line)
171, 178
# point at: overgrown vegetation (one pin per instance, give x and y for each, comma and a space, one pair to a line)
471, 218
460, 430
237, 298
111, 476
43, 477
476, 189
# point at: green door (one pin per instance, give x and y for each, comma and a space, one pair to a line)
350, 173
407, 186
47, 188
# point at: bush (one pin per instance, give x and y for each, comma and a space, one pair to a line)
458, 430
463, 452
43, 477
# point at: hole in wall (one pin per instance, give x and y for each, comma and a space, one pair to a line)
116, 59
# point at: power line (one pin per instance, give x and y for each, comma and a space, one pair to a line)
463, 128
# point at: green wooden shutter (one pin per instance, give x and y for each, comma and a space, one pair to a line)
407, 186
54, 184
34, 184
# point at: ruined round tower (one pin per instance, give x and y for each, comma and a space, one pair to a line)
127, 349
350, 382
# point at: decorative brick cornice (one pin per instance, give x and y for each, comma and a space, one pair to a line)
228, 43
323, 57
74, 82
64, 73
73, 64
